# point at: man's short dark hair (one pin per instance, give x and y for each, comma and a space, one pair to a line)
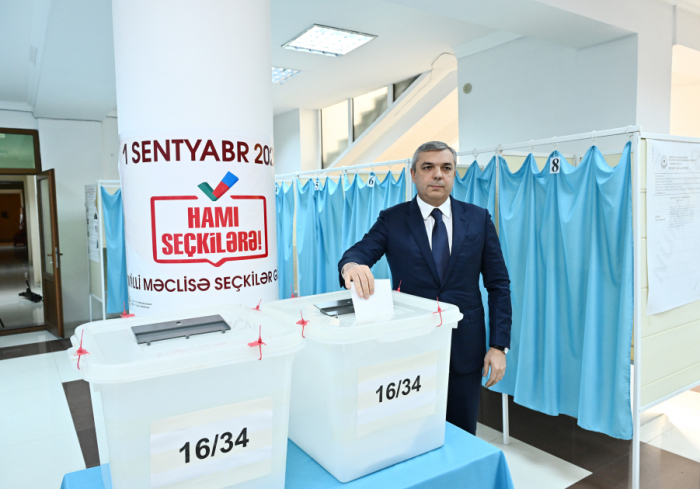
431, 146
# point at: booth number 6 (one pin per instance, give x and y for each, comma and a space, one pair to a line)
555, 165
370, 182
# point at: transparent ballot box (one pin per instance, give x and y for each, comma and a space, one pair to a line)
367, 395
192, 399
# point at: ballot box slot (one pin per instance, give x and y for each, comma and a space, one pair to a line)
183, 328
336, 308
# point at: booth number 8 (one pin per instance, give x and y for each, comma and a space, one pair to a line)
556, 166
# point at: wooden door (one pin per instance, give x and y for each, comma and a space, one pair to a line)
50, 252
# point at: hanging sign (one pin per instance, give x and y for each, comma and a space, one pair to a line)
372, 180
199, 214
555, 164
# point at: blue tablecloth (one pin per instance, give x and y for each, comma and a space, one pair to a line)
464, 461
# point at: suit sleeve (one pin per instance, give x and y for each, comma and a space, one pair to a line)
369, 249
497, 283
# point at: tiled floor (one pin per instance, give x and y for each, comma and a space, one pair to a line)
531, 467
48, 429
39, 443
26, 338
606, 460
678, 426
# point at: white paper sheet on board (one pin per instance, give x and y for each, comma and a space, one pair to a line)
673, 224
379, 306
92, 223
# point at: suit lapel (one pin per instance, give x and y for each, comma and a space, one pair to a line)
460, 221
416, 225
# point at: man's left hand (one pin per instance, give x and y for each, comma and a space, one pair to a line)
495, 359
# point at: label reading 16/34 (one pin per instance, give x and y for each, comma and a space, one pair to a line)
203, 451
396, 392
213, 448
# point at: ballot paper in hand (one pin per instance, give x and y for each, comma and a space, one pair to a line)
379, 306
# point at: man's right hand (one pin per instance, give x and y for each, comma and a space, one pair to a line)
362, 276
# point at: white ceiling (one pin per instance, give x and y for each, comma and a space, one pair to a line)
408, 41
72, 76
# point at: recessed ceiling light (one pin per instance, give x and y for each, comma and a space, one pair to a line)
321, 39
281, 75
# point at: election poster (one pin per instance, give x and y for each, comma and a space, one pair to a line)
199, 215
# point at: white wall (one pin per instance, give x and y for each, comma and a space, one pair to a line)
287, 142
531, 89
110, 149
296, 141
17, 120
685, 110
653, 21
310, 130
688, 29
685, 93
74, 150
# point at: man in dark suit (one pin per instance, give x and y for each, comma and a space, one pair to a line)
437, 247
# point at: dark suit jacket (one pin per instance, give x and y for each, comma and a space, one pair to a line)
400, 234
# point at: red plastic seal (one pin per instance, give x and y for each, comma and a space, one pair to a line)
303, 323
259, 343
125, 315
439, 311
81, 351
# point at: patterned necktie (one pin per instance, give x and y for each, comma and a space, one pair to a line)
441, 248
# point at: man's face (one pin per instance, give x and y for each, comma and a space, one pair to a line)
434, 176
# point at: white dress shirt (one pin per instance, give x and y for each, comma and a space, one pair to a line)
426, 209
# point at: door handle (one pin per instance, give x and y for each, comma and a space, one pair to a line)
55, 254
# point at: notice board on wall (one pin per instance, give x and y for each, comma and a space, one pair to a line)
93, 228
673, 224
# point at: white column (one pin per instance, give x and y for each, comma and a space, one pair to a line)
195, 114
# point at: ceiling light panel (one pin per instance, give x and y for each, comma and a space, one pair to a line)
281, 75
320, 39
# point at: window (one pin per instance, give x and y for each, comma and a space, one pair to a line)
334, 131
19, 151
366, 109
338, 120
402, 86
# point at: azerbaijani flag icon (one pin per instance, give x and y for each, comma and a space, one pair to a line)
226, 183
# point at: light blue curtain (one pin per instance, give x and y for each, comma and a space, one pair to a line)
117, 291
319, 220
307, 237
479, 188
362, 206
285, 227
567, 242
329, 208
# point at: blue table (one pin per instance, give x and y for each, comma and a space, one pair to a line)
464, 461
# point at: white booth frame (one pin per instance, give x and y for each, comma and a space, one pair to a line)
101, 297
635, 134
